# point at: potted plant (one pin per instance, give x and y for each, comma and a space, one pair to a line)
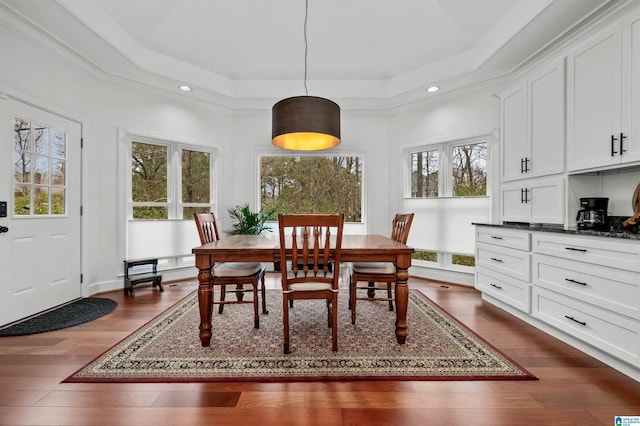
247, 222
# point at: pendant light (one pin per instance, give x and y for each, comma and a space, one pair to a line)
305, 123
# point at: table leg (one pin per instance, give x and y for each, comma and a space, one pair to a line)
205, 293
402, 301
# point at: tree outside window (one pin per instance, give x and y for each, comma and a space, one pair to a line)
312, 184
156, 179
39, 169
469, 166
424, 173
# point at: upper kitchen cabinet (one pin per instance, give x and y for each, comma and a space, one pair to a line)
533, 124
603, 92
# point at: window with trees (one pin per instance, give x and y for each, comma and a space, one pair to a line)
39, 162
312, 184
169, 181
166, 183
464, 164
448, 182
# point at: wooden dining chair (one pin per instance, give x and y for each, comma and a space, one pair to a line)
232, 277
310, 243
378, 272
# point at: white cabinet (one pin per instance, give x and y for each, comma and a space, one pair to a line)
533, 201
603, 97
503, 265
589, 288
583, 289
514, 141
533, 125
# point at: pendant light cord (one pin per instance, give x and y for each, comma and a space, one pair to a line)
306, 48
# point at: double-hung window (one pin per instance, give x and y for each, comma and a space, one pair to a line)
167, 182
446, 187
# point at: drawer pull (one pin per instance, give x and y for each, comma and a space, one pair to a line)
496, 286
574, 281
575, 320
496, 238
575, 249
496, 260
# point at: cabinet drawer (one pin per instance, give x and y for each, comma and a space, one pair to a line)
599, 251
514, 263
609, 288
509, 290
520, 240
606, 330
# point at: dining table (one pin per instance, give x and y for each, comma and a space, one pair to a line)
265, 248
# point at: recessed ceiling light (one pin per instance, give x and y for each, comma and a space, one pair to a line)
433, 89
185, 88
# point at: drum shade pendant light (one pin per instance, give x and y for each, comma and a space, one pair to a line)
305, 123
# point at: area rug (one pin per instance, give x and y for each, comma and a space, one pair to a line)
64, 316
168, 349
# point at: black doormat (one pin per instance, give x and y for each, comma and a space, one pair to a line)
74, 313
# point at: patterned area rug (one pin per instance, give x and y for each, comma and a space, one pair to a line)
168, 349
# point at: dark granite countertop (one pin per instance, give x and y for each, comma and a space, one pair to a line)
616, 230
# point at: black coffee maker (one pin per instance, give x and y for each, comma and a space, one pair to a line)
593, 214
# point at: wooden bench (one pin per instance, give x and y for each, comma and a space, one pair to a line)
141, 271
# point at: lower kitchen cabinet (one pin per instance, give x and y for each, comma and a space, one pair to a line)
503, 266
583, 289
615, 334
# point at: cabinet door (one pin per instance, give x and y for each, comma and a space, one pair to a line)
514, 132
594, 100
514, 207
533, 201
547, 201
631, 94
547, 121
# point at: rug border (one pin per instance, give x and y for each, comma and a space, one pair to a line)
526, 374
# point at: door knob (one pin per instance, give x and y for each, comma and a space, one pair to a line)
3, 229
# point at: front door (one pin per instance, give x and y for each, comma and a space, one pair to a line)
40, 182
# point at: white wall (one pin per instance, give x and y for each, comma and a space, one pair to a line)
41, 76
108, 108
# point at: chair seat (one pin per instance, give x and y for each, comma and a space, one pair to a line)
309, 286
236, 269
373, 268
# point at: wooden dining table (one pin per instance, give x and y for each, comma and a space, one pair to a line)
265, 248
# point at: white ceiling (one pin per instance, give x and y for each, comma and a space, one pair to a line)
230, 50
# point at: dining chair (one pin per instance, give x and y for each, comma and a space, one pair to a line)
378, 272
241, 277
310, 243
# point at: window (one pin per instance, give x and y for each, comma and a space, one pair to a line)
447, 190
151, 173
465, 164
469, 168
39, 161
312, 184
424, 173
167, 182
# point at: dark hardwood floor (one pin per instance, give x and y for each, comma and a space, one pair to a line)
574, 389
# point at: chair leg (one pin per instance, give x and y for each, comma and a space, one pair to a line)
285, 323
264, 297
239, 292
223, 292
354, 299
390, 296
256, 317
334, 321
371, 291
